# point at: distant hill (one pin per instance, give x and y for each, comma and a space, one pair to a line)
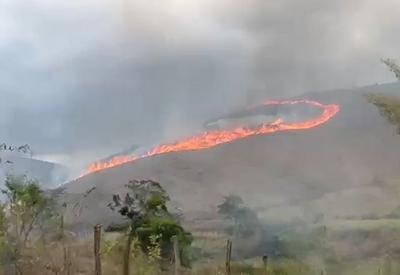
47, 173
349, 166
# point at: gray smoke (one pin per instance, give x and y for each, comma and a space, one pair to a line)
82, 79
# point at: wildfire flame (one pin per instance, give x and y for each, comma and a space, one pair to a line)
213, 138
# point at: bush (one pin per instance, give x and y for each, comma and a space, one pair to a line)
145, 206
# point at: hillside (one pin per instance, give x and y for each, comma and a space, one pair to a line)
346, 167
47, 173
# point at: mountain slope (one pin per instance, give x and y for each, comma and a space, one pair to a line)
47, 173
348, 166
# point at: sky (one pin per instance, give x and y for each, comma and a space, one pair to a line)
81, 79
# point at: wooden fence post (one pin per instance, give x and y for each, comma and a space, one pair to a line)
228, 257
127, 254
265, 263
177, 255
97, 259
66, 252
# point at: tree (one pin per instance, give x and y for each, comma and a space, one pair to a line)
145, 205
23, 211
3, 230
26, 203
393, 66
230, 206
24, 149
245, 220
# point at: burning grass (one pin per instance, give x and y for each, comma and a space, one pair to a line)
214, 138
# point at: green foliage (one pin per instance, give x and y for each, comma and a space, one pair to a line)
26, 209
3, 232
156, 202
144, 264
154, 249
145, 205
27, 204
164, 227
291, 267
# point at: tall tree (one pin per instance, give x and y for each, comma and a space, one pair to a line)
21, 213
245, 220
26, 203
393, 66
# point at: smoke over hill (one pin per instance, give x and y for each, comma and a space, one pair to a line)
84, 79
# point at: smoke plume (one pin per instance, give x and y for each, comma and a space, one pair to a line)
82, 79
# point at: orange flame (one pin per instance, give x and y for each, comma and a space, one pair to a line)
213, 138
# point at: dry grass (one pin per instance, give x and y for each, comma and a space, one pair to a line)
48, 259
77, 257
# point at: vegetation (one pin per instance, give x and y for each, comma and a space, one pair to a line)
26, 209
365, 247
24, 149
245, 220
151, 224
393, 66
388, 106
26, 204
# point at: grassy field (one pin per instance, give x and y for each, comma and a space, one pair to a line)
337, 247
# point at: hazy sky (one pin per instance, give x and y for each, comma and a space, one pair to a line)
83, 78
